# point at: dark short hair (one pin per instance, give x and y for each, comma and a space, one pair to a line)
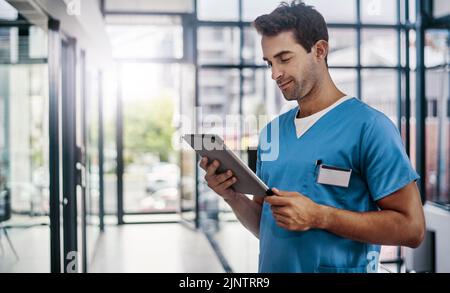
308, 24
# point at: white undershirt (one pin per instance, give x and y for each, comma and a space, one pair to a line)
303, 124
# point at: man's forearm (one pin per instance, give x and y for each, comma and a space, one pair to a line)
385, 227
247, 211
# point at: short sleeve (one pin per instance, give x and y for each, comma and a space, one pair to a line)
385, 164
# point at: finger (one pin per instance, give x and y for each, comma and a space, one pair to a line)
282, 220
221, 178
283, 225
212, 168
276, 200
226, 184
203, 163
284, 217
280, 211
282, 193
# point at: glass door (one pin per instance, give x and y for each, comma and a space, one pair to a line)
152, 61
24, 155
151, 173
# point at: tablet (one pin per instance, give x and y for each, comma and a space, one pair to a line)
213, 147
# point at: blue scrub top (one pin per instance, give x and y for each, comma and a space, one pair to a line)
354, 136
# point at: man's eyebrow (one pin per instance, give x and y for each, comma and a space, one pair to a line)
278, 54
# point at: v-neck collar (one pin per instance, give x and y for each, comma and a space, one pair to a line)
296, 109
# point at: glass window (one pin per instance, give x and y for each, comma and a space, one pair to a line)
252, 51
345, 80
4, 194
28, 136
434, 132
24, 164
145, 37
440, 8
219, 114
188, 157
332, 11
412, 50
3, 162
38, 42
21, 45
218, 10
403, 105
8, 45
379, 47
151, 173
254, 105
219, 101
412, 120
173, 6
379, 11
342, 47
436, 47
110, 82
437, 117
218, 45
382, 98
343, 11
411, 10
92, 156
402, 48
252, 9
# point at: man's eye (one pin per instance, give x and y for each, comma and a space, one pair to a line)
285, 60
269, 65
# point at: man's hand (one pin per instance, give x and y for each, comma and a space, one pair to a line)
294, 211
220, 183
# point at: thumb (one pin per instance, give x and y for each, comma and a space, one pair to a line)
280, 192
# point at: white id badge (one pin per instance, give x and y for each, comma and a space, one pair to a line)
334, 176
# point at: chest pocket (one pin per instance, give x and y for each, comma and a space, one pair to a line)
332, 189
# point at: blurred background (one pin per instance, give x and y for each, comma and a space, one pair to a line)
95, 94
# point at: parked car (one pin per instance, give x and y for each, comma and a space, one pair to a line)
165, 199
162, 176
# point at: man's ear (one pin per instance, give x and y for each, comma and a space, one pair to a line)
320, 50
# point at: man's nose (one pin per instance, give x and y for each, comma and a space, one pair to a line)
276, 73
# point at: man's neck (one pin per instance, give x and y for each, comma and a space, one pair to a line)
321, 97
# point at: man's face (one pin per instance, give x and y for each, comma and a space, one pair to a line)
294, 70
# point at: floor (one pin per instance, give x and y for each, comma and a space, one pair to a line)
141, 248
239, 247
162, 248
32, 246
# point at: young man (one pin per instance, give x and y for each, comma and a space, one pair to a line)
343, 182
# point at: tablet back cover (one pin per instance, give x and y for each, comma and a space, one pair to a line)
213, 147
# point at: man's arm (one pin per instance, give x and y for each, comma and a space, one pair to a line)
399, 222
246, 210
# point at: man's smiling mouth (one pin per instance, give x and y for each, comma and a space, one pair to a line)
285, 85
